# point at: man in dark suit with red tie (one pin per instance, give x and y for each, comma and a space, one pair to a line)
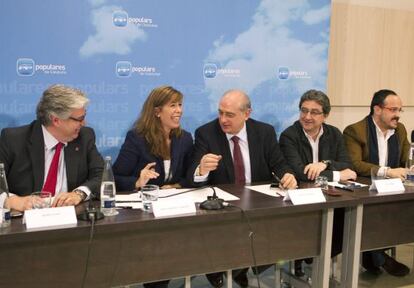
54, 153
236, 149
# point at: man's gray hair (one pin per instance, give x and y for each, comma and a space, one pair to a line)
319, 97
59, 100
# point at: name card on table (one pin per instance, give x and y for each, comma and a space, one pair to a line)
305, 196
393, 185
50, 217
171, 207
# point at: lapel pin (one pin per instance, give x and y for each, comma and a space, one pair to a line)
76, 148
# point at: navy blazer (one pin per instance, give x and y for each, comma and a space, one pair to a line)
22, 150
298, 151
265, 154
135, 155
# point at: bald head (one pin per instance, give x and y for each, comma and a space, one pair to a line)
234, 110
236, 97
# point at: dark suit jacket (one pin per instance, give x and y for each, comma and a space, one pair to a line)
356, 140
22, 151
135, 155
265, 154
298, 151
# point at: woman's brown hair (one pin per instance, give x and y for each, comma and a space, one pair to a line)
149, 125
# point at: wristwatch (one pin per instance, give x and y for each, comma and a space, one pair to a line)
327, 163
81, 194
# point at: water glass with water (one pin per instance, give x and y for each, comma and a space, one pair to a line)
41, 200
149, 194
409, 181
322, 182
375, 176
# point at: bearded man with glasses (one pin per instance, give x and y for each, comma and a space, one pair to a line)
380, 141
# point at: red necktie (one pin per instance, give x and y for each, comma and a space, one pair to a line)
50, 184
238, 162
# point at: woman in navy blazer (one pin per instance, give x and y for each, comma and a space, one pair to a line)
156, 150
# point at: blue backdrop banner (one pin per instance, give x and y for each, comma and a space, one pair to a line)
118, 51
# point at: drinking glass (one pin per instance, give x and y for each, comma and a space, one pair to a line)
322, 182
41, 200
374, 176
149, 195
409, 181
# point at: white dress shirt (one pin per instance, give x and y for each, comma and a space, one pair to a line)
167, 170
244, 148
383, 148
50, 143
62, 181
336, 175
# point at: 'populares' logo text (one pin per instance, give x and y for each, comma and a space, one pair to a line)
27, 67
211, 70
121, 18
284, 73
126, 69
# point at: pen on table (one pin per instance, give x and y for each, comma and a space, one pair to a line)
346, 183
344, 188
350, 184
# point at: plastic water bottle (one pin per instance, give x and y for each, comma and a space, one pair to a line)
410, 167
4, 188
108, 190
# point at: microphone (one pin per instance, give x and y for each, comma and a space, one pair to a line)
213, 202
91, 213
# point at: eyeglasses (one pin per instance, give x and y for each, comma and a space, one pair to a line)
393, 109
305, 111
78, 119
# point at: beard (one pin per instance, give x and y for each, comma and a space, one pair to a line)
391, 124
